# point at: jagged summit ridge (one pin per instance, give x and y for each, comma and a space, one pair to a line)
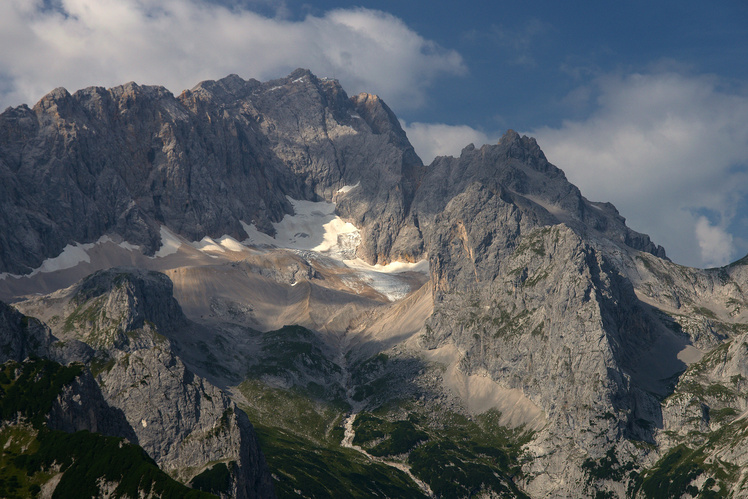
130, 159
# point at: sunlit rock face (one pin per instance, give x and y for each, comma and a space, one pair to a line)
130, 159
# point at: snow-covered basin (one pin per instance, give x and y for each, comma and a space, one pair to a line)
314, 226
70, 256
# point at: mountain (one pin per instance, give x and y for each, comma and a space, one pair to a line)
277, 253
129, 383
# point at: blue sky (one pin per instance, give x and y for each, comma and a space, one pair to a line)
644, 104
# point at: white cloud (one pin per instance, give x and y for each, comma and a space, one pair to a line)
437, 139
177, 43
664, 148
715, 243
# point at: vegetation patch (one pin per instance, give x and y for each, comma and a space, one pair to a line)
705, 312
293, 351
675, 473
455, 455
300, 464
215, 480
30, 457
535, 241
609, 467
32, 454
85, 314
30, 388
293, 409
672, 475
389, 438
300, 437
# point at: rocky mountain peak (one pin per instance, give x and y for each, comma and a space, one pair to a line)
133, 158
226, 90
380, 118
132, 297
526, 150
57, 98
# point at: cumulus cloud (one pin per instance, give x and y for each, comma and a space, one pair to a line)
437, 139
664, 148
715, 243
177, 43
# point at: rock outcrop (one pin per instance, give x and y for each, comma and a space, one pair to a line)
143, 391
21, 336
129, 159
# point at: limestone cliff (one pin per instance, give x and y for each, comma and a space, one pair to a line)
185, 424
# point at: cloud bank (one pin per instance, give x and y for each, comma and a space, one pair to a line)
438, 139
177, 43
671, 152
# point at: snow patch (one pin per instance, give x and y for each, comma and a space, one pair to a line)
207, 244
170, 243
391, 268
222, 245
383, 277
231, 244
315, 227
128, 246
71, 255
347, 188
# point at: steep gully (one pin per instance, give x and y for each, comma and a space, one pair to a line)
350, 434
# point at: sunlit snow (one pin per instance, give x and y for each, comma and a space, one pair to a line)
208, 244
315, 227
348, 188
170, 243
71, 255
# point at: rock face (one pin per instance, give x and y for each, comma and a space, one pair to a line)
518, 171
144, 392
21, 336
81, 406
132, 158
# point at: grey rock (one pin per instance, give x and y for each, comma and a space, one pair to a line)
184, 423
518, 168
119, 321
21, 336
128, 159
81, 406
